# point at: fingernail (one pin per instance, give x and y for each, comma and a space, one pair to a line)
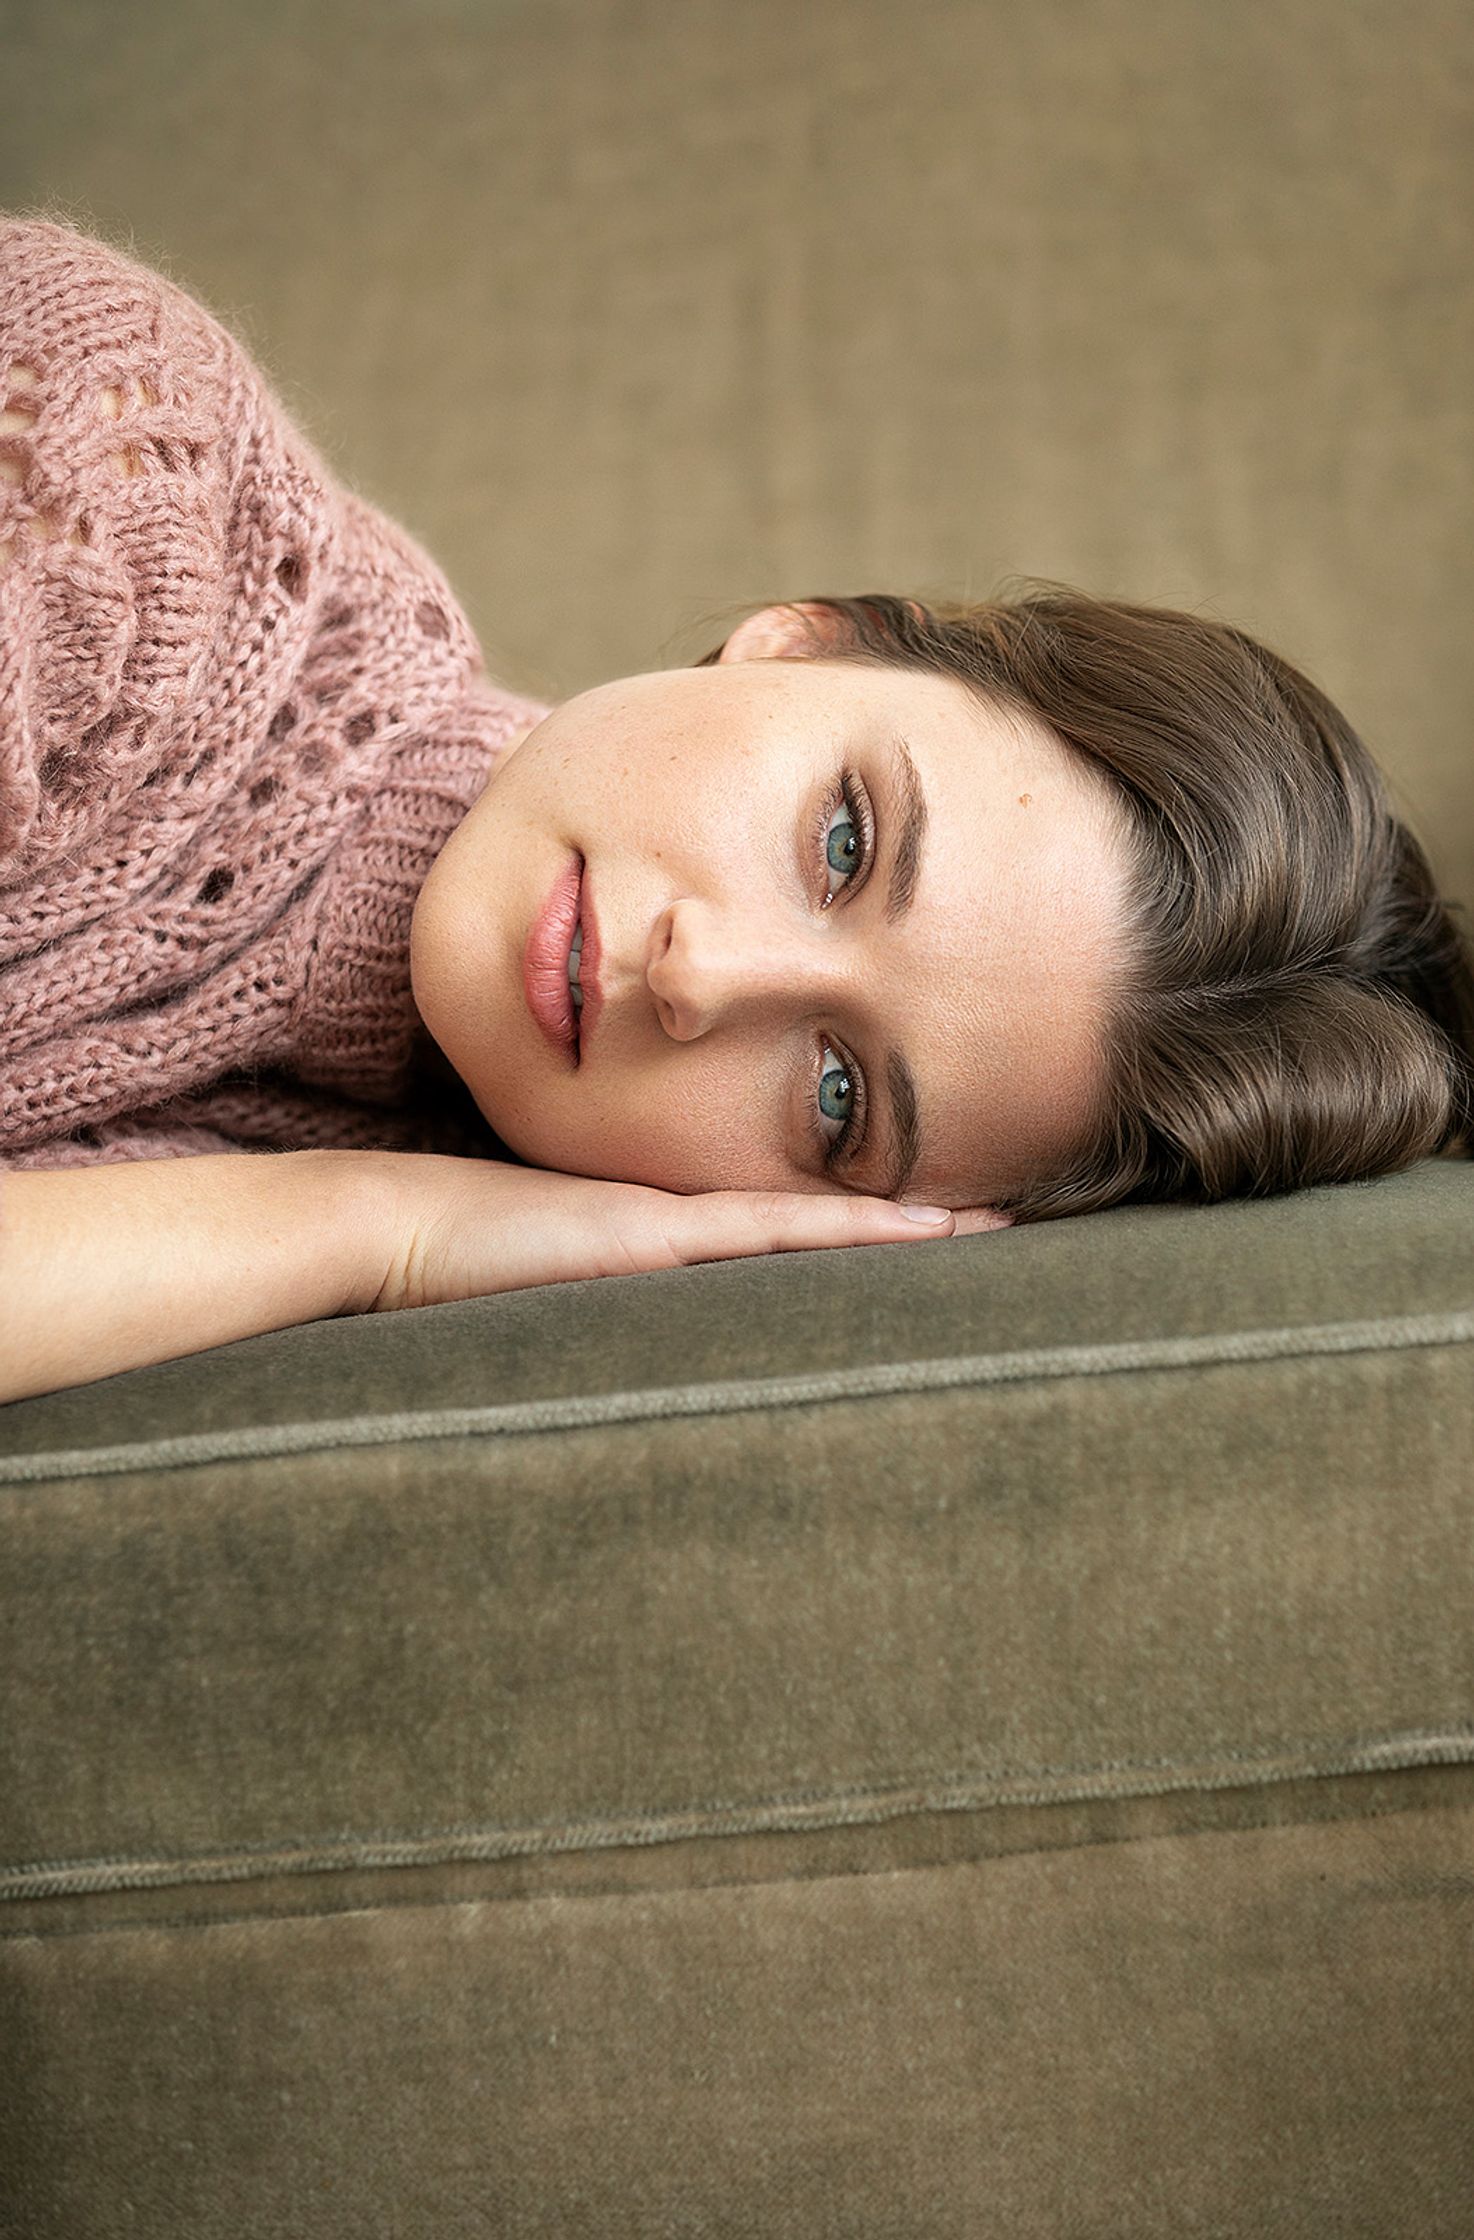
925, 1213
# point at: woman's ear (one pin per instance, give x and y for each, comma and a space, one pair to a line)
779, 632
775, 632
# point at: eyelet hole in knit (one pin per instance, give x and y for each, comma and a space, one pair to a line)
431, 619
217, 885
358, 728
113, 401
20, 413
291, 574
44, 528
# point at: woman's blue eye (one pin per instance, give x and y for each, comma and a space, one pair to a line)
836, 1093
844, 843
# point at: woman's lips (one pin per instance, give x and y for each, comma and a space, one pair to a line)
545, 964
545, 961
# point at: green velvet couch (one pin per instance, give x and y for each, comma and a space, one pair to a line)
942, 1740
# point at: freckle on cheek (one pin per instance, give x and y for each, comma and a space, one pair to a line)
1024, 799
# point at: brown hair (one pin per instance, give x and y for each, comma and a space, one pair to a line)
1299, 1003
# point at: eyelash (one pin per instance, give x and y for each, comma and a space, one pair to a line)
851, 795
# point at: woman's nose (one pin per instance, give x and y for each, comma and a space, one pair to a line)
702, 965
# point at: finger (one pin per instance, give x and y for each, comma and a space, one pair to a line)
724, 1224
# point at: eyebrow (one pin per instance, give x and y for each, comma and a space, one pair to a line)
907, 1141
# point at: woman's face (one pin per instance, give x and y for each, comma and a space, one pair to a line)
770, 986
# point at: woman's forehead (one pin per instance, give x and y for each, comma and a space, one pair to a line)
1020, 907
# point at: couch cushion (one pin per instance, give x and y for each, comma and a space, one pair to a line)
1151, 1499
365, 1678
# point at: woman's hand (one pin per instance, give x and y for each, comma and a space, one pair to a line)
460, 1228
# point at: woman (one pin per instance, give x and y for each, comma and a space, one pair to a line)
1046, 904
1024, 908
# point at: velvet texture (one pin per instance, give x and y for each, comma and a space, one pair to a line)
930, 1739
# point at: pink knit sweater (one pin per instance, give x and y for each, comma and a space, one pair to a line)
240, 714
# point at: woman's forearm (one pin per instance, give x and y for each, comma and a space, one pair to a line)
105, 1268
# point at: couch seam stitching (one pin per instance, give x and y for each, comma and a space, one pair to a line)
730, 1396
1094, 1842
873, 1801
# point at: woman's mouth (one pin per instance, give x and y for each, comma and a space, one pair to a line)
560, 964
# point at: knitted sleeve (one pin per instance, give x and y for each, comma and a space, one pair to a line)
115, 480
109, 1146
268, 1113
241, 711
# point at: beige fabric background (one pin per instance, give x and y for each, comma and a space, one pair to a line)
635, 313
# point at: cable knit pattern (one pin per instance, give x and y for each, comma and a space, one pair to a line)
240, 714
